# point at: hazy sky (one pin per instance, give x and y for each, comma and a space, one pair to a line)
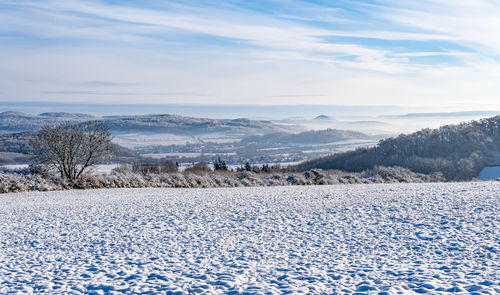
433, 53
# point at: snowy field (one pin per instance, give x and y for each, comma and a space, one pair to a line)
365, 239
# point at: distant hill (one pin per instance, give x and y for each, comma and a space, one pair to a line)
448, 114
19, 122
16, 148
324, 118
308, 137
179, 124
458, 151
68, 116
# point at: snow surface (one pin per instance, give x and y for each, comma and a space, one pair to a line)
376, 239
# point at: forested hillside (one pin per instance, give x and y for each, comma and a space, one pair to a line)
458, 151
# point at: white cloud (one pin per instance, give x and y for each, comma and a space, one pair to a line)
54, 47
473, 24
265, 32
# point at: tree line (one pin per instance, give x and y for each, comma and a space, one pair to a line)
459, 151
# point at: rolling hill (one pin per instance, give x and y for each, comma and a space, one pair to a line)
162, 123
458, 151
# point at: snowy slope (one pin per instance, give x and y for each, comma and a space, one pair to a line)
396, 238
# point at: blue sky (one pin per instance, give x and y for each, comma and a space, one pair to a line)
441, 54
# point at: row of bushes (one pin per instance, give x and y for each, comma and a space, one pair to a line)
219, 165
26, 180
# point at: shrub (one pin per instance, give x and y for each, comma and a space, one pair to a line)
24, 180
199, 168
220, 165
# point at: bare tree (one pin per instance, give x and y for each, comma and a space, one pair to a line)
72, 148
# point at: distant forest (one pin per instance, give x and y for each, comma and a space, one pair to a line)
459, 152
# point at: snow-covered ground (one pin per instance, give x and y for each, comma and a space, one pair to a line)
376, 239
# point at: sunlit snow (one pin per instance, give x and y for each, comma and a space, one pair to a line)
380, 239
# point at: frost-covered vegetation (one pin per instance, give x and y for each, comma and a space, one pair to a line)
457, 151
17, 148
363, 239
37, 179
71, 149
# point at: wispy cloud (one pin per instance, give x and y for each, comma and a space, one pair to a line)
473, 24
91, 92
108, 83
299, 95
98, 21
239, 50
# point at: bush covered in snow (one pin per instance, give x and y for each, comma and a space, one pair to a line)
19, 182
37, 179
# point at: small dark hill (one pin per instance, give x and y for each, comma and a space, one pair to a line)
324, 118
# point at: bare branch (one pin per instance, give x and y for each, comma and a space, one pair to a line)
72, 149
